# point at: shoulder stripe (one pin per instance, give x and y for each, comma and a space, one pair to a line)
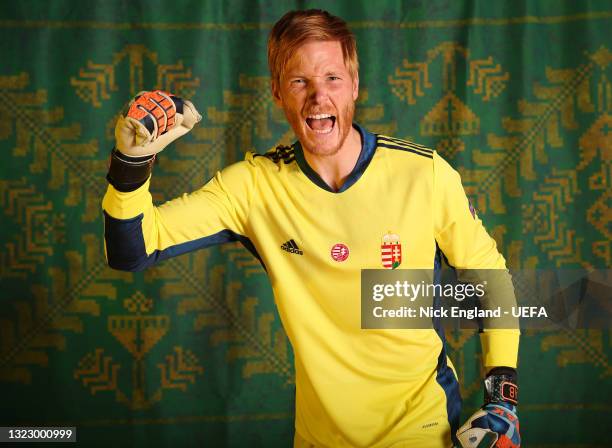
404, 148
284, 153
405, 143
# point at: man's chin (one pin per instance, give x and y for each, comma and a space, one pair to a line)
321, 144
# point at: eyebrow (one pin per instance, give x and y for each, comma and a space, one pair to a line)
301, 75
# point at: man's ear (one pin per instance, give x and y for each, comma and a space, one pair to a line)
274, 87
355, 86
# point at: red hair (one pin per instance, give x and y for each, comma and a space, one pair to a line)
298, 27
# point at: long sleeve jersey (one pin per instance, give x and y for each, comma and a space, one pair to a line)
354, 387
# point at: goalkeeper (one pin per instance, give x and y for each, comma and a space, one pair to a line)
323, 205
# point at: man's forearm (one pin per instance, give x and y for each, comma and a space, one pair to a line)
499, 347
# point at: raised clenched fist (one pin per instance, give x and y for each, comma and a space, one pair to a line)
153, 120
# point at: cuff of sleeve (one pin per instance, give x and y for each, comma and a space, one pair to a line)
126, 205
127, 173
500, 347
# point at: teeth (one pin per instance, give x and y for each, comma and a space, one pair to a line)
319, 116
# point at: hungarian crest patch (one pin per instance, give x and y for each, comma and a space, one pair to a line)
391, 251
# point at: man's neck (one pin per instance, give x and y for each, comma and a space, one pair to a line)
334, 170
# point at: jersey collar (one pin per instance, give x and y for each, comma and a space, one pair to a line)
368, 147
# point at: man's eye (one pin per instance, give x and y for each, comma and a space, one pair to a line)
298, 82
333, 78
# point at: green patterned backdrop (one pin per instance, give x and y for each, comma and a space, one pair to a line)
516, 96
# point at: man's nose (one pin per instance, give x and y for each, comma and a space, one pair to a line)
317, 91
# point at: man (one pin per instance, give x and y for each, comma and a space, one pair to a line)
314, 214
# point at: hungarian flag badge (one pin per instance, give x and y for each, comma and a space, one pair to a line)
391, 251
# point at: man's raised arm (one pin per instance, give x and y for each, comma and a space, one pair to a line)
136, 233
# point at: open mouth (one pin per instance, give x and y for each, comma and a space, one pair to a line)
321, 123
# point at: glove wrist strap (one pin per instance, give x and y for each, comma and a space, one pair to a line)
501, 386
127, 173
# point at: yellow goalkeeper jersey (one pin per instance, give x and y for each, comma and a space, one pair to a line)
354, 387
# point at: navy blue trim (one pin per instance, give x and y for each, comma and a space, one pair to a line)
178, 102
125, 246
368, 148
404, 148
445, 376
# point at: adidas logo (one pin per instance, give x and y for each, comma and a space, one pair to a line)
291, 247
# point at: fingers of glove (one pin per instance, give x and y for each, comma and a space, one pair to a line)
505, 442
477, 419
501, 414
493, 426
184, 123
191, 116
504, 422
477, 438
155, 110
153, 120
165, 139
475, 430
131, 136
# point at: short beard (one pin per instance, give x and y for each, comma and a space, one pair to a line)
347, 117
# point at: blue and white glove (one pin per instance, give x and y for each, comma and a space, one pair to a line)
496, 424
